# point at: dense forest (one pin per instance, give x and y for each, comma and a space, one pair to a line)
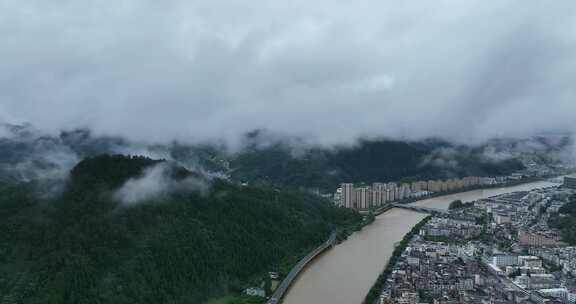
566, 222
82, 245
368, 161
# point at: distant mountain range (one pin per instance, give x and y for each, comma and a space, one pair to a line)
27, 154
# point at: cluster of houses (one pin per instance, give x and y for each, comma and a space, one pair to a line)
451, 228
561, 257
529, 275
523, 215
496, 250
431, 270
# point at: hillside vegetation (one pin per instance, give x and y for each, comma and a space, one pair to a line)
566, 222
83, 246
369, 161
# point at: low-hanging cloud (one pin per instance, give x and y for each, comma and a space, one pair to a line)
27, 155
332, 71
155, 183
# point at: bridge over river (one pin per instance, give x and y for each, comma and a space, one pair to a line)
421, 208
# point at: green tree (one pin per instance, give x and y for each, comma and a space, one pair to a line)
457, 204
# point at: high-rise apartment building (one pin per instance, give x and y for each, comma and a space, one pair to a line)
348, 196
363, 199
378, 194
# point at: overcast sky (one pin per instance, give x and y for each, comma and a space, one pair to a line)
328, 70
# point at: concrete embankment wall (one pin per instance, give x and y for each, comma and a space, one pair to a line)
293, 274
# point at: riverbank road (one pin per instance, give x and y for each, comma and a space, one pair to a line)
283, 287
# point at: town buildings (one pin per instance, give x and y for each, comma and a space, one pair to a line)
539, 238
505, 253
451, 228
363, 196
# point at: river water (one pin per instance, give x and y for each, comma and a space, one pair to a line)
345, 273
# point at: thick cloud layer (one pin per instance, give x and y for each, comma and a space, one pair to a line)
328, 70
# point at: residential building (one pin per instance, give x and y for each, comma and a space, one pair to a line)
570, 182
533, 238
347, 195
502, 218
378, 194
363, 198
502, 260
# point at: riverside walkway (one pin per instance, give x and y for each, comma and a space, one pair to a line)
283, 287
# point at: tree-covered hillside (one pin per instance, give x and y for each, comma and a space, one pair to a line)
84, 246
566, 222
369, 161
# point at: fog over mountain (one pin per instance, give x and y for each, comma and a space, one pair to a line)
332, 72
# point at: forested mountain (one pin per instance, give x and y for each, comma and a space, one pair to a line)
86, 245
368, 161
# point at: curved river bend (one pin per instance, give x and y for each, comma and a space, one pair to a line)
344, 274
